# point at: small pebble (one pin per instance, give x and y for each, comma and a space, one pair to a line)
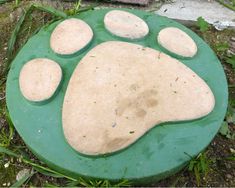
7, 165
232, 150
22, 173
229, 176
20, 160
230, 52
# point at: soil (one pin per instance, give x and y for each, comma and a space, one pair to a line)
219, 154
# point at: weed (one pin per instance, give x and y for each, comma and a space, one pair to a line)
229, 119
199, 166
230, 115
225, 131
203, 24
231, 61
221, 47
75, 8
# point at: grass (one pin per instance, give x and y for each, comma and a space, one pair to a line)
221, 48
2, 1
12, 41
202, 24
5, 1
75, 8
71, 181
229, 4
199, 166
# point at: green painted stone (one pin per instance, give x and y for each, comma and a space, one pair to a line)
159, 153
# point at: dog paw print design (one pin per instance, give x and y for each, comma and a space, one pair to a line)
100, 84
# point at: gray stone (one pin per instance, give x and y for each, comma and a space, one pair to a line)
187, 12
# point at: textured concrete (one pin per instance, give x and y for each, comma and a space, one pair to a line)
188, 11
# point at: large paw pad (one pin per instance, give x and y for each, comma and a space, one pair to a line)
121, 90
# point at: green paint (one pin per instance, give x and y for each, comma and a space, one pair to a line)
159, 153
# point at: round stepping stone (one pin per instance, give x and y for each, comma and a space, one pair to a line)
138, 88
159, 153
177, 41
70, 36
125, 24
39, 79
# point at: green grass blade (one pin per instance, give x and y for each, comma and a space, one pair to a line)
47, 169
231, 158
14, 34
22, 180
72, 183
12, 41
203, 163
83, 182
197, 175
105, 183
10, 125
8, 152
123, 183
6, 135
51, 185
17, 2
3, 1
78, 9
77, 5
36, 166
91, 7
50, 10
44, 172
230, 6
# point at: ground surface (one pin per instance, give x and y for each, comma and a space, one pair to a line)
213, 167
